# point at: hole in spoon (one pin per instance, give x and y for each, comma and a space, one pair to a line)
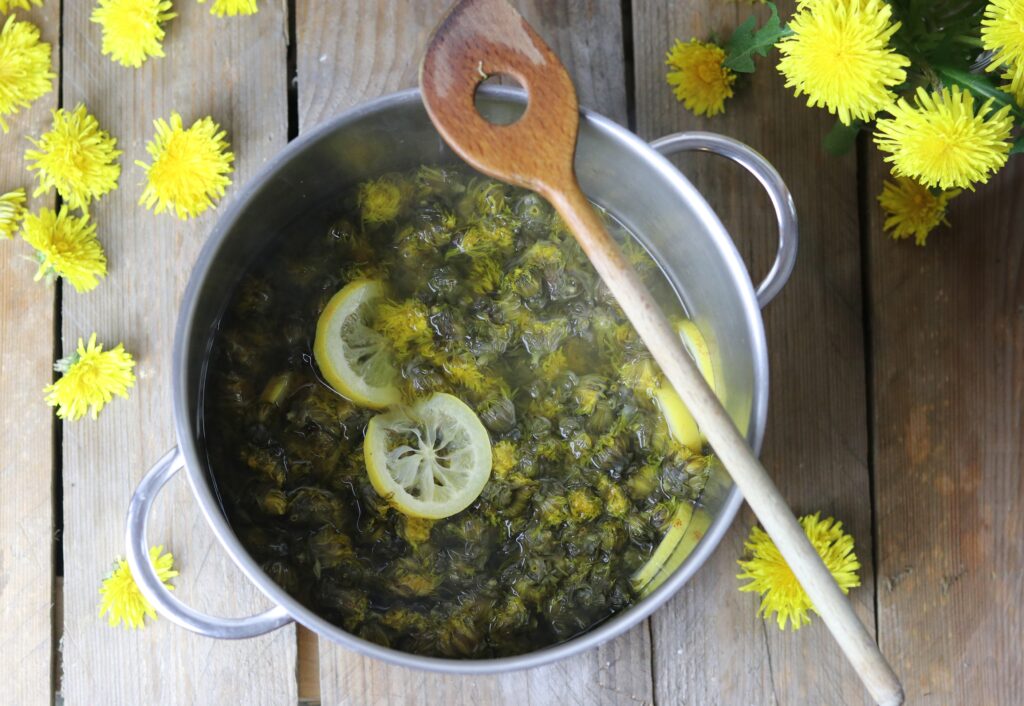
494, 112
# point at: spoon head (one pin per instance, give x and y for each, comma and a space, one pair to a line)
480, 38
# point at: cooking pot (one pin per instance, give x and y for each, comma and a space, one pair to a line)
631, 179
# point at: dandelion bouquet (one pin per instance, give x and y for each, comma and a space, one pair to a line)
939, 85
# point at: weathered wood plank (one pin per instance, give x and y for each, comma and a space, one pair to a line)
234, 70
352, 51
947, 325
356, 52
709, 647
26, 424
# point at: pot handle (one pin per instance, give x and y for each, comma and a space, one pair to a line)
785, 209
151, 586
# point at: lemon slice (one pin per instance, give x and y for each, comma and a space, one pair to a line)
429, 460
694, 341
355, 359
686, 528
681, 424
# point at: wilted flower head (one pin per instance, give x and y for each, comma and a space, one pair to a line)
698, 77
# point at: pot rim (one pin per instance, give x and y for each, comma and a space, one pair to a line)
211, 509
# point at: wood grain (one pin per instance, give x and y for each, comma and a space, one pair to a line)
351, 51
947, 325
233, 70
26, 423
355, 53
709, 647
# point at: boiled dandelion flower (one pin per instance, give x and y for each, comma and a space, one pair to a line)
12, 210
232, 8
380, 200
698, 77
132, 30
76, 157
66, 247
839, 56
24, 68
913, 209
1002, 32
122, 601
91, 377
190, 167
942, 141
771, 576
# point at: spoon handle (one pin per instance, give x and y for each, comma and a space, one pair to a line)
743, 466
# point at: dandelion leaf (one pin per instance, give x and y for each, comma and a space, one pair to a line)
748, 40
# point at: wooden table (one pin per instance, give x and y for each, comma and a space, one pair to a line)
896, 404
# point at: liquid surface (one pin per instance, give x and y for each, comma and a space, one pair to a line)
488, 298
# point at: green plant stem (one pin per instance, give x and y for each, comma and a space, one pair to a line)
969, 41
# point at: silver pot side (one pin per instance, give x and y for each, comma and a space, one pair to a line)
617, 170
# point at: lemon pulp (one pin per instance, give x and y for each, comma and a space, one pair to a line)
681, 424
353, 358
431, 459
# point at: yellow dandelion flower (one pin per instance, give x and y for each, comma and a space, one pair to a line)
504, 458
698, 78
131, 29
771, 576
942, 141
912, 209
76, 157
405, 324
189, 169
380, 200
839, 56
91, 377
66, 247
1002, 31
25, 74
232, 8
122, 600
12, 210
8, 5
463, 370
552, 365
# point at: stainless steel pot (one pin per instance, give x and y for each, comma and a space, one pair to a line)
618, 171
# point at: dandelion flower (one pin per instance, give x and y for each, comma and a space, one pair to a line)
66, 247
912, 209
380, 200
190, 167
76, 157
232, 7
91, 377
1002, 31
24, 67
12, 210
8, 5
839, 56
122, 600
771, 576
131, 29
698, 78
942, 141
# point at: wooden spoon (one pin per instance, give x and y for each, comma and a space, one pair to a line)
479, 38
